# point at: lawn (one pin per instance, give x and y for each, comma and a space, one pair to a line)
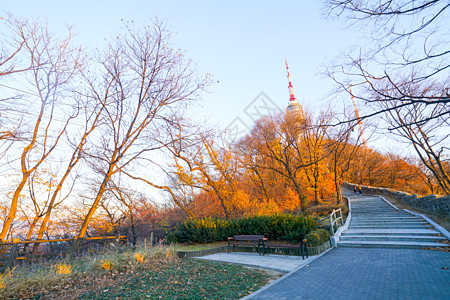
186, 279
145, 273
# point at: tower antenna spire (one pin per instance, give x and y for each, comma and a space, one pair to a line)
358, 118
291, 88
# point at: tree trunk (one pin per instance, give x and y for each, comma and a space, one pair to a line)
13, 208
94, 206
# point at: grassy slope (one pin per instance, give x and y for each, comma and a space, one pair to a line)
186, 279
161, 275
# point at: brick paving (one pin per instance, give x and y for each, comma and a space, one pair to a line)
367, 273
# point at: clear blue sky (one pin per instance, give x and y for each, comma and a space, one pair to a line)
241, 43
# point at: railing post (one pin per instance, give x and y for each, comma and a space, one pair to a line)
118, 239
75, 249
331, 224
12, 254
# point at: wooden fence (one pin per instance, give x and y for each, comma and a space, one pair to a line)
74, 247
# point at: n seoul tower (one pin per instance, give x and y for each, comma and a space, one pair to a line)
293, 108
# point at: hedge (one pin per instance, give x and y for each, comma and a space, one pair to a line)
285, 227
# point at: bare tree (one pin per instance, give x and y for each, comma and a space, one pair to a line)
90, 113
342, 152
12, 47
430, 138
404, 76
200, 164
12, 50
411, 46
142, 81
54, 63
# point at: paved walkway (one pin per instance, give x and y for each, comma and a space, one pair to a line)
353, 273
279, 263
366, 273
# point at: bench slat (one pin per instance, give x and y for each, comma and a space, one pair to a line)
248, 237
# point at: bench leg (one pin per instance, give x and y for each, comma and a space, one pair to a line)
304, 249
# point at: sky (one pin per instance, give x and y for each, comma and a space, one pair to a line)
242, 44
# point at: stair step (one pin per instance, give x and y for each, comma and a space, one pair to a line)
389, 227
388, 222
359, 219
390, 244
374, 223
415, 238
390, 232
378, 216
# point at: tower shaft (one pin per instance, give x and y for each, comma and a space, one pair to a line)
358, 118
291, 88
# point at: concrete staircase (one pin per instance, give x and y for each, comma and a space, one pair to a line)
375, 223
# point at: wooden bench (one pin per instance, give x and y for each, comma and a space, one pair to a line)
257, 241
302, 247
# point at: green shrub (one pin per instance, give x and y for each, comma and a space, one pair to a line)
317, 237
286, 227
203, 230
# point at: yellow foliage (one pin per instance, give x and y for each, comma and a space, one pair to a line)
139, 257
106, 264
241, 200
291, 200
268, 209
63, 268
168, 253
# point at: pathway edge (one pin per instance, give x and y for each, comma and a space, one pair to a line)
435, 225
385, 200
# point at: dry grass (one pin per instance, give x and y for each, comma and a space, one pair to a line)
124, 273
59, 276
6, 275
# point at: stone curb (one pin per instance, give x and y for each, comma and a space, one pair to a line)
395, 207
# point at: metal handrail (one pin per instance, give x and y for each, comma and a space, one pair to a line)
338, 220
334, 218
